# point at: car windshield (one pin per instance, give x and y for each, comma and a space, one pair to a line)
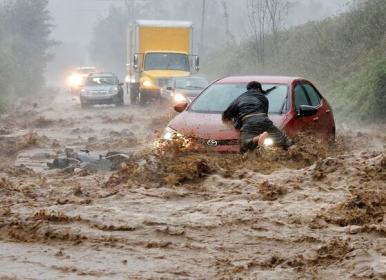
217, 97
96, 81
166, 61
191, 83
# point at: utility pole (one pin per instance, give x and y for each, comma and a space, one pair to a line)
230, 38
130, 7
203, 17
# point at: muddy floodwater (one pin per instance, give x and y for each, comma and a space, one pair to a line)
315, 212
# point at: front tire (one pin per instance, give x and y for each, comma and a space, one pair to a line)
332, 138
84, 105
142, 99
134, 93
120, 101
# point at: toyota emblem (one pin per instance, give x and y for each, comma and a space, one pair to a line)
212, 143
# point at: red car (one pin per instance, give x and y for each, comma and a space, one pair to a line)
295, 105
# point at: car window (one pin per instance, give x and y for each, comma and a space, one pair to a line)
277, 99
217, 97
312, 94
169, 61
191, 83
101, 80
300, 97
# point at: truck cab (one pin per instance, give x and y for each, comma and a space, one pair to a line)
158, 52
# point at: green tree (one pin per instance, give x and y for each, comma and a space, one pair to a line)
345, 55
25, 30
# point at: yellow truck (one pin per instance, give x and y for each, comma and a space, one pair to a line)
157, 52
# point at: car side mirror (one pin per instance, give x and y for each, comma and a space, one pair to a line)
170, 88
181, 107
197, 63
307, 111
135, 62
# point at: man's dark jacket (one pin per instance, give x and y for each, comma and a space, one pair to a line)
250, 102
249, 113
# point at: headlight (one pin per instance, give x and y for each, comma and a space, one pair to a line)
114, 90
83, 91
179, 98
147, 83
170, 134
129, 79
268, 142
75, 80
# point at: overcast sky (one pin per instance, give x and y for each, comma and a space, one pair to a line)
73, 21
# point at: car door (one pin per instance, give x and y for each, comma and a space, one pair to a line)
301, 124
322, 118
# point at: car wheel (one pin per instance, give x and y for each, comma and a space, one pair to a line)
120, 101
161, 101
84, 105
332, 138
164, 102
142, 99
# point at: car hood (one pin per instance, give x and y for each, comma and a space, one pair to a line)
209, 126
99, 88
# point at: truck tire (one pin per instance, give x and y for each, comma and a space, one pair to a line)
142, 99
134, 92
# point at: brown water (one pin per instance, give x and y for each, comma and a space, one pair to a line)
313, 213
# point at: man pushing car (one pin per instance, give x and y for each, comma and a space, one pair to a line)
249, 113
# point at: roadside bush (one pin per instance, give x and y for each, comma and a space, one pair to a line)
380, 91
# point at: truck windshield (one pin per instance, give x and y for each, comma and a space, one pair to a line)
166, 61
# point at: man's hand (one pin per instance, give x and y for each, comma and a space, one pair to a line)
225, 118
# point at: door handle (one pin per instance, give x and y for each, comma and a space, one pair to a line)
315, 119
328, 111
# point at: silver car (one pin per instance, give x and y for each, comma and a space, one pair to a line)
183, 89
101, 88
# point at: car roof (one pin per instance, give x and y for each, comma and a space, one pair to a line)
85, 68
190, 77
102, 74
261, 79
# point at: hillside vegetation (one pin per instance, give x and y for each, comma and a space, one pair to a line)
345, 56
24, 40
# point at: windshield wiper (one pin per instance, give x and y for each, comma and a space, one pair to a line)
283, 106
194, 87
271, 89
